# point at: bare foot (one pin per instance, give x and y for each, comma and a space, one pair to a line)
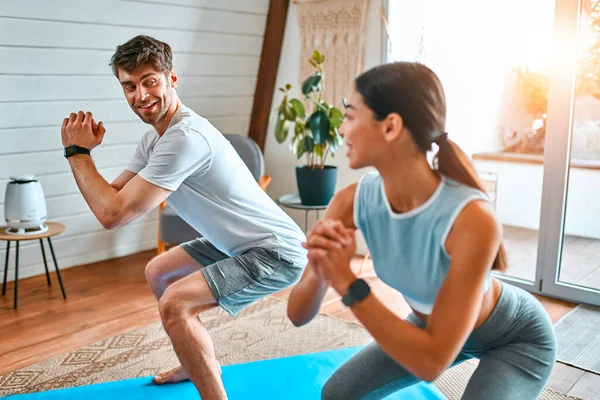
175, 375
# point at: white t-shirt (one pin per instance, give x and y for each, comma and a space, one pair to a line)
213, 190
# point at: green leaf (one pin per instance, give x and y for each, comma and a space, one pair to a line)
339, 140
289, 113
281, 129
318, 57
313, 63
281, 90
319, 126
283, 104
298, 130
300, 150
335, 140
321, 106
298, 108
311, 84
288, 86
319, 150
309, 144
336, 117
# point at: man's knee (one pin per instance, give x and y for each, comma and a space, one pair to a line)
154, 272
151, 268
172, 307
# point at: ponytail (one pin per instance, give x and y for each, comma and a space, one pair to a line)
452, 162
415, 92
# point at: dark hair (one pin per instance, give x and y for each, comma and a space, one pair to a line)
142, 50
415, 92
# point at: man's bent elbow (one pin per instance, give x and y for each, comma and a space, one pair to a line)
110, 221
108, 224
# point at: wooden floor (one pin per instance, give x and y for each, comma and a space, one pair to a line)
580, 257
111, 297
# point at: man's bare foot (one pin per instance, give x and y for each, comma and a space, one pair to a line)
175, 375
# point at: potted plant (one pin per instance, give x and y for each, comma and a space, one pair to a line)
315, 126
532, 95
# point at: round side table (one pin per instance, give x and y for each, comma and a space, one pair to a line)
292, 200
53, 230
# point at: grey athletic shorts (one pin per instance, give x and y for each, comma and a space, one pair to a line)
236, 282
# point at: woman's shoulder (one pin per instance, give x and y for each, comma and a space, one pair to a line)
477, 219
369, 177
341, 206
462, 190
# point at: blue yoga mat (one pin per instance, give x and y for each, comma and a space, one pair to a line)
288, 378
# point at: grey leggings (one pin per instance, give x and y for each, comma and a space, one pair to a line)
516, 347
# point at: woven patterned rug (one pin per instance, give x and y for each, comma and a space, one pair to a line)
578, 337
260, 332
454, 381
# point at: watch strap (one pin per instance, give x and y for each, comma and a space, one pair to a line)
74, 149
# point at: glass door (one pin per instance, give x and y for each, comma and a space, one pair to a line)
495, 68
572, 255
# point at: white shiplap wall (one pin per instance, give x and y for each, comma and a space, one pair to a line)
54, 59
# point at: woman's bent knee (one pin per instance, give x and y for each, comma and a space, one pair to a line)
332, 391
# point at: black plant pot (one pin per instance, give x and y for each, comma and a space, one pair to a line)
316, 186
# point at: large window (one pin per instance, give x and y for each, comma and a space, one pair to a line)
495, 61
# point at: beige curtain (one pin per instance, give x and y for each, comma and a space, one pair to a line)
336, 29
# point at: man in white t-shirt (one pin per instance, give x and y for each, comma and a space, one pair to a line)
250, 248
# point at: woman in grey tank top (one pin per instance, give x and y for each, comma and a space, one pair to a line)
394, 116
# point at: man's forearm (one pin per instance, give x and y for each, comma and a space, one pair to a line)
98, 193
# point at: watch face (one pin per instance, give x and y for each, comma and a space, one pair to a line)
361, 289
72, 150
357, 292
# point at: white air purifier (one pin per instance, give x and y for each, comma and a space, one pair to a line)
25, 206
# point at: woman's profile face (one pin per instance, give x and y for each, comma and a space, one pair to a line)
361, 132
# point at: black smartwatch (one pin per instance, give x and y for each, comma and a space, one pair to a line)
358, 290
72, 150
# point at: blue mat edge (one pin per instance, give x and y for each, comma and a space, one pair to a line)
132, 383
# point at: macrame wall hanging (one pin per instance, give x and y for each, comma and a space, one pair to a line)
336, 29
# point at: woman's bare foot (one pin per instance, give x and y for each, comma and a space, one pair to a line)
175, 375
